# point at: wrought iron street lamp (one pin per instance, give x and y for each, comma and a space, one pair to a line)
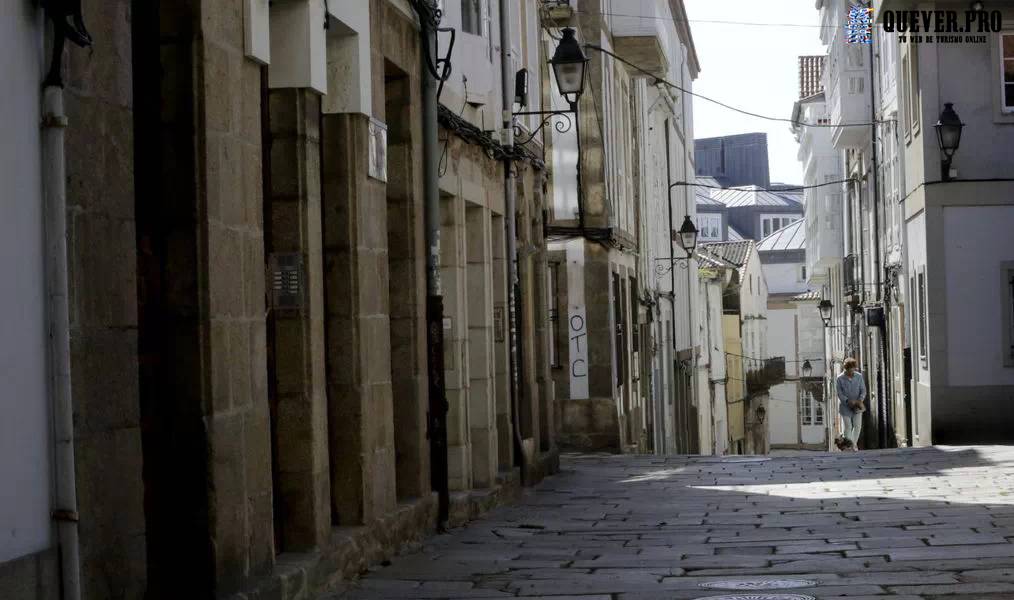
948, 128
569, 64
688, 236
825, 307
807, 368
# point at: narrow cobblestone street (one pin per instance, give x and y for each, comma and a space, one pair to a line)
906, 524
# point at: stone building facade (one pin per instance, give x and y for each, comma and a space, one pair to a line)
248, 355
625, 345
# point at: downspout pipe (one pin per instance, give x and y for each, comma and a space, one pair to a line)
883, 382
678, 419
510, 207
438, 407
54, 122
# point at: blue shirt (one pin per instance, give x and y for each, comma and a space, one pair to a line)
849, 389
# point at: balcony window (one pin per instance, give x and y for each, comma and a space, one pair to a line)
1007, 76
921, 290
475, 17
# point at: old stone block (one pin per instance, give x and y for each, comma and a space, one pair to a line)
340, 283
260, 512
218, 100
240, 359
105, 385
225, 271
233, 200
102, 271
291, 365
250, 102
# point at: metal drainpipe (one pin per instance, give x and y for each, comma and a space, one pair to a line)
672, 282
54, 121
882, 376
510, 207
434, 293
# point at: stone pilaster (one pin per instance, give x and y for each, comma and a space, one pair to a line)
479, 312
357, 326
296, 360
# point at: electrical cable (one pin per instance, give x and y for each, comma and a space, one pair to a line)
659, 80
712, 21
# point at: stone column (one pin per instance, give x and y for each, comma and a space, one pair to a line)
206, 434
296, 360
504, 417
482, 388
456, 367
357, 325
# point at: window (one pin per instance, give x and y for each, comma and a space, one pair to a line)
710, 227
912, 93
1007, 76
806, 408
475, 17
802, 272
921, 290
1008, 314
771, 224
856, 85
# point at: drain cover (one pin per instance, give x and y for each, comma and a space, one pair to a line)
760, 597
759, 584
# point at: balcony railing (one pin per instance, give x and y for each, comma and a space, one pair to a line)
765, 373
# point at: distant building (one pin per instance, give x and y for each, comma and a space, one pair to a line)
797, 414
811, 72
712, 215
734, 159
756, 213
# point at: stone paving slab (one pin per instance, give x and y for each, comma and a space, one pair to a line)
911, 524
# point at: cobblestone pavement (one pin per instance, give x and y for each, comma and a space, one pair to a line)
903, 524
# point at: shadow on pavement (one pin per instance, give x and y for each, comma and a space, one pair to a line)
910, 524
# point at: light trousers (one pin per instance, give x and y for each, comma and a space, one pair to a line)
852, 425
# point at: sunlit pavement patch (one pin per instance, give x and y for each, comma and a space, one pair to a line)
758, 584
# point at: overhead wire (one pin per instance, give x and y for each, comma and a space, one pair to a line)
660, 80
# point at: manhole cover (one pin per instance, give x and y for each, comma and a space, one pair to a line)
759, 584
760, 597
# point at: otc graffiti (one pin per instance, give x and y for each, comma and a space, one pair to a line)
578, 353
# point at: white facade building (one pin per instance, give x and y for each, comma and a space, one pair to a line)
958, 259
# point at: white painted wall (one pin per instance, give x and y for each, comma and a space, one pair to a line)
979, 239
25, 471
783, 414
785, 278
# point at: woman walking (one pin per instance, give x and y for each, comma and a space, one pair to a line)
851, 390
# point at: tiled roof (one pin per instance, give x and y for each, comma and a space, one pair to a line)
811, 295
790, 237
735, 253
752, 195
